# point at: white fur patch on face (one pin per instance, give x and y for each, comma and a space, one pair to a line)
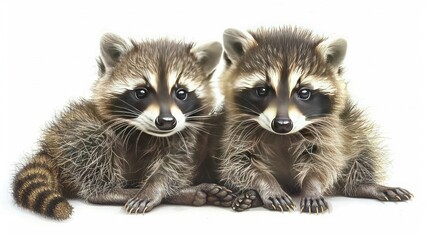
266, 117
189, 84
180, 118
151, 77
146, 121
323, 85
275, 78
121, 85
249, 81
299, 121
172, 79
294, 77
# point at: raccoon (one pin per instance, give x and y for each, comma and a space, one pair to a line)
292, 126
139, 140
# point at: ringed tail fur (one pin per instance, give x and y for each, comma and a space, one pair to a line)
36, 188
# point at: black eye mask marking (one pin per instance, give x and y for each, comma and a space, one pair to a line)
312, 104
254, 101
187, 104
131, 103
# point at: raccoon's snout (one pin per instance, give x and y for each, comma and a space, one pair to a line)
282, 125
165, 122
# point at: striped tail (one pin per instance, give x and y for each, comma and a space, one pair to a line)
36, 187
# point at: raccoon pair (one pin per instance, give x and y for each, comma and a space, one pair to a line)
149, 134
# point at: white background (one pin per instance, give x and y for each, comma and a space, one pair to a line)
47, 58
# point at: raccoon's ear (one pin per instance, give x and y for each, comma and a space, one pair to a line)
334, 50
236, 43
208, 55
112, 47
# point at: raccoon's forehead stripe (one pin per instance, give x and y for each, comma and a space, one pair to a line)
294, 78
275, 78
180, 79
172, 79
151, 78
321, 84
250, 81
120, 86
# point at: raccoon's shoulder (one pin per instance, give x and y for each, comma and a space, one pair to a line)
81, 110
78, 122
76, 114
355, 119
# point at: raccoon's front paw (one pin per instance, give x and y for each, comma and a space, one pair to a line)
310, 204
141, 204
380, 192
246, 200
281, 202
213, 194
396, 194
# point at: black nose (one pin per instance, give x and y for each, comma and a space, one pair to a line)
281, 125
165, 122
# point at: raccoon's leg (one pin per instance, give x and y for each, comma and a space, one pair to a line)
154, 192
166, 177
150, 196
116, 196
361, 181
205, 193
312, 200
272, 195
250, 173
319, 167
362, 178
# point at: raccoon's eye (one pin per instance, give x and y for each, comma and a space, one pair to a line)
181, 94
304, 94
141, 93
262, 91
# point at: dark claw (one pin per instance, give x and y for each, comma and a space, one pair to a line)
394, 194
281, 203
133, 205
313, 205
403, 194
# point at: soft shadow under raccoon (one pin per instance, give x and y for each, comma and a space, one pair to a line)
291, 126
142, 138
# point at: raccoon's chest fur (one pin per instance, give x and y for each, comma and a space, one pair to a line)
142, 151
278, 153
